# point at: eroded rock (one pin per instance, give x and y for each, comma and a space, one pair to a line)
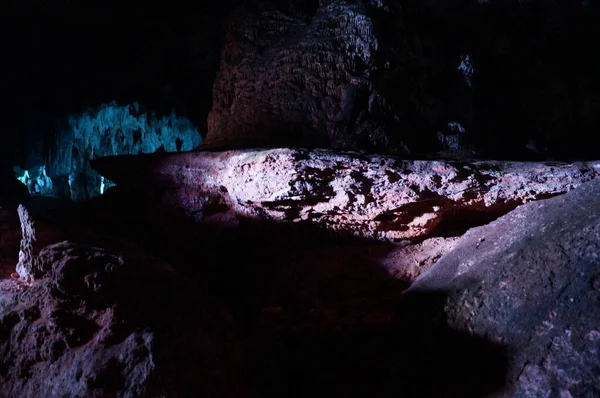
529, 280
363, 195
34, 237
409, 260
28, 266
98, 323
341, 74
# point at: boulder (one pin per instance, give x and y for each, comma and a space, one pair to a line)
531, 282
111, 321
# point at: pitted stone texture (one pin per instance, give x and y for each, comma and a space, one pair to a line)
531, 281
362, 195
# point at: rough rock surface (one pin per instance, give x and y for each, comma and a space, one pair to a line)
28, 266
324, 74
531, 281
34, 237
314, 310
363, 195
528, 79
270, 308
384, 76
96, 323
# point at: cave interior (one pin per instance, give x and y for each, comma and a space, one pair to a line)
110, 107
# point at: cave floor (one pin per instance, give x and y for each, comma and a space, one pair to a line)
314, 312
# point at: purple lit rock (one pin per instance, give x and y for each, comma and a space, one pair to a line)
531, 281
369, 196
96, 323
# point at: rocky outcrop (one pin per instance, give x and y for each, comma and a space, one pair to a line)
28, 267
531, 281
111, 321
380, 76
34, 237
362, 195
341, 74
271, 307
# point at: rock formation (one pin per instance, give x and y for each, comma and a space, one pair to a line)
531, 281
384, 77
390, 256
95, 323
367, 196
323, 74
199, 273
28, 267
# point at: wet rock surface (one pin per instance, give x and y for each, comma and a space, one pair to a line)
529, 280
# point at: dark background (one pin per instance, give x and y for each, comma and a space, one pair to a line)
536, 63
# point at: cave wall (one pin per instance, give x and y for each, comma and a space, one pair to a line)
318, 74
518, 78
512, 79
58, 163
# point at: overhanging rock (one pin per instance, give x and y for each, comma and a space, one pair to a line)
370, 196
